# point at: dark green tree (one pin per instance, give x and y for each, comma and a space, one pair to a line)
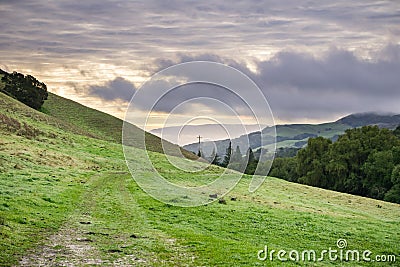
393, 195
237, 161
284, 168
237, 155
311, 160
251, 162
377, 178
396, 154
26, 89
250, 155
349, 154
363, 161
228, 154
396, 132
214, 158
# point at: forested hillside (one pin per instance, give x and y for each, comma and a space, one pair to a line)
364, 161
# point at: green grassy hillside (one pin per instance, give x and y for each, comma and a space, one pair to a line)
100, 125
327, 130
67, 199
96, 123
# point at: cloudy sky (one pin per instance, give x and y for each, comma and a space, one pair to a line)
313, 60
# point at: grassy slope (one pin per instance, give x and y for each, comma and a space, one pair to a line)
53, 179
98, 124
327, 130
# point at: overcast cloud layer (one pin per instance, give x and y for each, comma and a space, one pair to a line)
314, 60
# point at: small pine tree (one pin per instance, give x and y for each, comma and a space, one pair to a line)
237, 155
215, 159
250, 155
228, 155
396, 132
251, 162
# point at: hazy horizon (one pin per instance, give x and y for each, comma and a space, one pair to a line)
187, 134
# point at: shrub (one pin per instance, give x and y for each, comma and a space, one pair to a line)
24, 88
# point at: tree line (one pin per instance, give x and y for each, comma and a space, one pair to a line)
234, 159
363, 161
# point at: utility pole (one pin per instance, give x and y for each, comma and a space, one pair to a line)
199, 154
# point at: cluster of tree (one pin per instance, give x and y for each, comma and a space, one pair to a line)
286, 152
363, 161
24, 88
234, 159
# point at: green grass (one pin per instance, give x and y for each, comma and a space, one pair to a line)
327, 130
61, 189
100, 125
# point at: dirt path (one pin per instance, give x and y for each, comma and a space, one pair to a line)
107, 229
67, 247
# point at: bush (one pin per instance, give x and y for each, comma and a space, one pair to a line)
26, 89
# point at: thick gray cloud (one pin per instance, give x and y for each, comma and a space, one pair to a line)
338, 83
212, 96
300, 85
338, 71
119, 88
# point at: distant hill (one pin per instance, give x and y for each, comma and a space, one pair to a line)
187, 134
389, 121
296, 135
